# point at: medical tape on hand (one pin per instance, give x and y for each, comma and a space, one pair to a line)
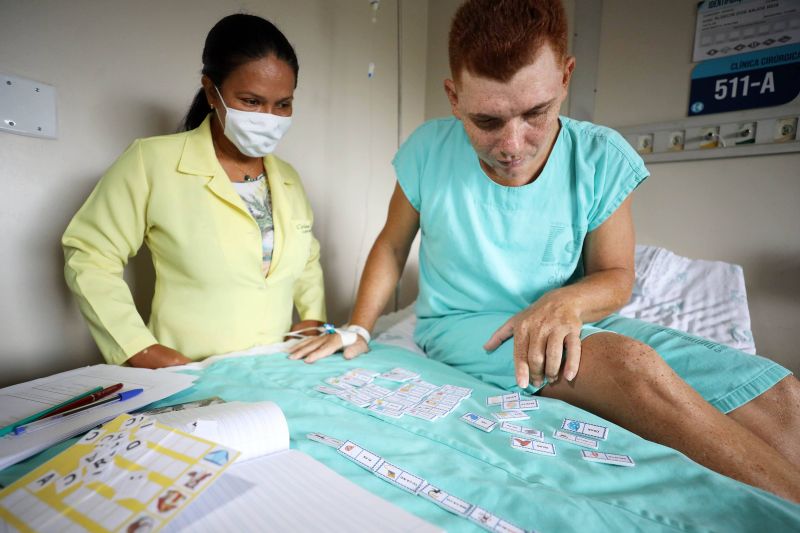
355, 328
350, 334
349, 338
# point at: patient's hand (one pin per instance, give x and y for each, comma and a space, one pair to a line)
542, 333
158, 356
315, 348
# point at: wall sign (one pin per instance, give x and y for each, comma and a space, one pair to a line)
747, 81
729, 27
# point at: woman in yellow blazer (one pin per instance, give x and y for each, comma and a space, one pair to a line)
228, 224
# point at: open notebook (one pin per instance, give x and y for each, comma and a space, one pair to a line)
25, 399
273, 488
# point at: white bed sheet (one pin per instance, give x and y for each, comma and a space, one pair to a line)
703, 298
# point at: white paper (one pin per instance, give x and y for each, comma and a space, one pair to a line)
290, 492
255, 429
25, 399
729, 28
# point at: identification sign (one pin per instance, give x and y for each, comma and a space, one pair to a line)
746, 81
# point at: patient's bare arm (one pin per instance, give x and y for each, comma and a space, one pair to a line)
381, 274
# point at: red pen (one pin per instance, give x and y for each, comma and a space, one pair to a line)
86, 400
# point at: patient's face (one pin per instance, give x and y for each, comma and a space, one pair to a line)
513, 125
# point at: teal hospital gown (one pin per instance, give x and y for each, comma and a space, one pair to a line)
488, 251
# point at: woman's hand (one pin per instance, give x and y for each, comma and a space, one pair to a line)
542, 333
158, 356
316, 348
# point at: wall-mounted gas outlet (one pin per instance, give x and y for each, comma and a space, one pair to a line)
746, 133
644, 144
709, 137
785, 130
738, 133
676, 140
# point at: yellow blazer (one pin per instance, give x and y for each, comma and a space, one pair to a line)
211, 297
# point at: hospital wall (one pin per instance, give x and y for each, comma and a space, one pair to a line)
740, 210
125, 69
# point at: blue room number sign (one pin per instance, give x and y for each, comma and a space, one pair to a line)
747, 81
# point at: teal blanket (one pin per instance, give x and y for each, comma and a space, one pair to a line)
665, 491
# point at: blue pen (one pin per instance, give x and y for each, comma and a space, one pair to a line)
41, 414
47, 422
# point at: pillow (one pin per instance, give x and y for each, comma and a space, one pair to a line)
704, 298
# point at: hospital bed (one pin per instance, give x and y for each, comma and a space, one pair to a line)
665, 491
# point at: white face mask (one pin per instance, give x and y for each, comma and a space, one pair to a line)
254, 134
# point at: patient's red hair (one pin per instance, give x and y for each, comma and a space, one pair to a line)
495, 38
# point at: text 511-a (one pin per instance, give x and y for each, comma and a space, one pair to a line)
742, 85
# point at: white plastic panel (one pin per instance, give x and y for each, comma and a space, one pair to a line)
27, 107
771, 130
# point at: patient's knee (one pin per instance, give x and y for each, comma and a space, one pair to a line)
632, 364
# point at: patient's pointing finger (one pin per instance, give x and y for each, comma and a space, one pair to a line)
522, 373
573, 356
502, 334
521, 370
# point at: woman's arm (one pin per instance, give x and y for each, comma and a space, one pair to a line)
108, 230
309, 290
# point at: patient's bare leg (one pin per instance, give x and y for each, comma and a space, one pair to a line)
629, 384
775, 417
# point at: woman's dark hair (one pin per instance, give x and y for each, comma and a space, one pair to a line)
233, 41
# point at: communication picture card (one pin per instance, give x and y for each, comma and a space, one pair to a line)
131, 474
